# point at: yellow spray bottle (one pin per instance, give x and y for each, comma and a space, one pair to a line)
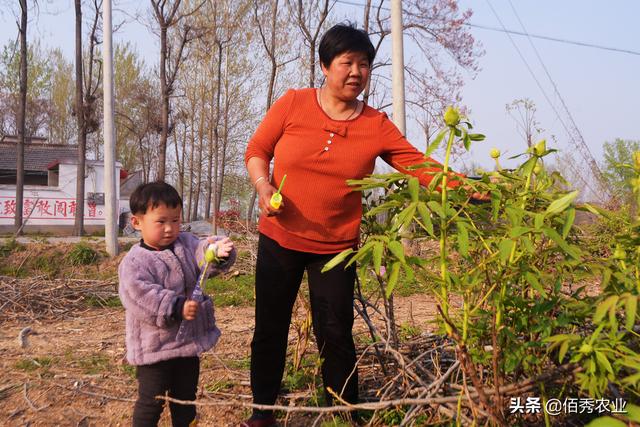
276, 198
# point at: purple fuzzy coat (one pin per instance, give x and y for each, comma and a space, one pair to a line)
150, 283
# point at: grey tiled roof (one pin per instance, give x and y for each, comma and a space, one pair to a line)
36, 155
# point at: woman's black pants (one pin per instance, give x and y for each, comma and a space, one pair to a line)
279, 272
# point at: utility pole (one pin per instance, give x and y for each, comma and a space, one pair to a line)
22, 114
397, 66
111, 214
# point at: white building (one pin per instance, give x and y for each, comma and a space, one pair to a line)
50, 188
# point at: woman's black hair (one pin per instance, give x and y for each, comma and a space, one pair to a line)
343, 38
152, 195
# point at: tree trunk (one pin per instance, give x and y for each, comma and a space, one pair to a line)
81, 126
164, 112
179, 165
225, 136
272, 82
194, 215
22, 111
216, 140
191, 166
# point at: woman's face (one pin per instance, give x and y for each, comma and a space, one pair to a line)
347, 75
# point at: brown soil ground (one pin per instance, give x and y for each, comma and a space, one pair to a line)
72, 371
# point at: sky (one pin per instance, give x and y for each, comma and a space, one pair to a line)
600, 88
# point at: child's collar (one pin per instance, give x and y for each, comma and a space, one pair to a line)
149, 248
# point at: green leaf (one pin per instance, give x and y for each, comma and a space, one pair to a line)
506, 246
603, 361
538, 221
436, 207
604, 307
405, 216
606, 422
397, 250
518, 231
378, 248
527, 167
632, 380
562, 203
476, 137
414, 188
426, 218
362, 252
436, 143
630, 310
409, 272
567, 248
393, 278
568, 222
337, 260
564, 347
591, 209
463, 240
466, 141
535, 283
633, 412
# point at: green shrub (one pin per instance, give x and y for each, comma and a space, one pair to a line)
82, 254
9, 246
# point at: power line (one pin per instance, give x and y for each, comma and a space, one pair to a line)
544, 93
581, 145
519, 33
554, 39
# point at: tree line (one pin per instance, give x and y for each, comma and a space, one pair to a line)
186, 116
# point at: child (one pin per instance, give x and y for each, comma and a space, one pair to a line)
157, 277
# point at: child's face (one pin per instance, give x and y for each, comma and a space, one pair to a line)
159, 226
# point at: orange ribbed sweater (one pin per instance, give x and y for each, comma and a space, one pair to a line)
322, 213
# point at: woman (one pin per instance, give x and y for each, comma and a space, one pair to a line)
319, 138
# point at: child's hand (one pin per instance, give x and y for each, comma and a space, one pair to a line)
190, 310
224, 246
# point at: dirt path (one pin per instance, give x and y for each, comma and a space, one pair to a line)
72, 371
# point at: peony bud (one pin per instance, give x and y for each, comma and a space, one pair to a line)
452, 116
276, 200
210, 254
494, 153
540, 148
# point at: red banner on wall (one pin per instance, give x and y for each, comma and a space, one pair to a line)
47, 208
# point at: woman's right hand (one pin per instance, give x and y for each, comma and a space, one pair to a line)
265, 191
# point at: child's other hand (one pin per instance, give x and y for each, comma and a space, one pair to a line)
224, 246
189, 310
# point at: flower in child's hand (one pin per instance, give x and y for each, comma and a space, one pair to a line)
223, 247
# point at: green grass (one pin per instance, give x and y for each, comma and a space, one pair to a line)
408, 331
236, 291
220, 385
30, 365
129, 370
94, 301
9, 246
82, 254
306, 375
94, 364
243, 364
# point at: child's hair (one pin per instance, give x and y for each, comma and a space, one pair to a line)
152, 195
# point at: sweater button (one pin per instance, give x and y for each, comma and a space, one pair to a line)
329, 141
331, 135
326, 148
